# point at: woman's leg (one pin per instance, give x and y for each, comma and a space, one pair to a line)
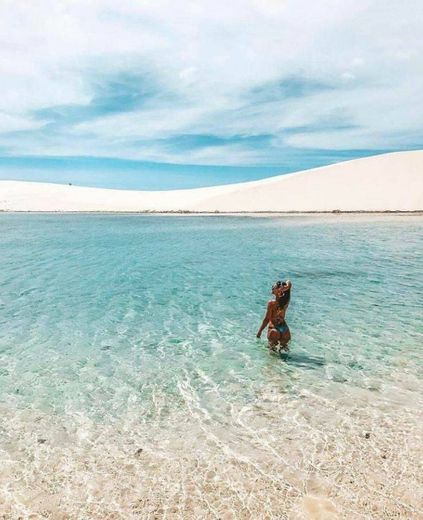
274, 337
285, 337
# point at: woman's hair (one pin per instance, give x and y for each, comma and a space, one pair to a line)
286, 296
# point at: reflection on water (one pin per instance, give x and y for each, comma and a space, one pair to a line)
132, 384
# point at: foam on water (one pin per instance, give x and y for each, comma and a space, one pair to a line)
132, 385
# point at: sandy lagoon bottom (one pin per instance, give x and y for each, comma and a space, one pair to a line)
312, 457
132, 386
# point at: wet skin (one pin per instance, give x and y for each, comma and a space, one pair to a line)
275, 316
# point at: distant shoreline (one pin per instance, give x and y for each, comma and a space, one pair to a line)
183, 213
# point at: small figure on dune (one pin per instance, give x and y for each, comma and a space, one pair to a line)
278, 332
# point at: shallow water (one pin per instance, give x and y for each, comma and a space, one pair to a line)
132, 384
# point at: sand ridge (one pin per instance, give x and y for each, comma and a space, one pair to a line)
387, 182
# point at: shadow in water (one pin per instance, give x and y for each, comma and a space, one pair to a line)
301, 360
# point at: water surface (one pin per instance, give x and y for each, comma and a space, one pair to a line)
128, 333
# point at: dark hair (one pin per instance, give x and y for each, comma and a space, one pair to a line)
284, 299
286, 296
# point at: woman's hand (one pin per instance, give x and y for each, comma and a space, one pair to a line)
258, 335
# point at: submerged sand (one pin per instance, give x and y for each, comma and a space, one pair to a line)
312, 457
388, 182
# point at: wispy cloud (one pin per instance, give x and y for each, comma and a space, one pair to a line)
257, 82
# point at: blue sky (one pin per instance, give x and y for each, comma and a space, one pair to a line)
161, 95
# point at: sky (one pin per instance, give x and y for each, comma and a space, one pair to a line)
161, 94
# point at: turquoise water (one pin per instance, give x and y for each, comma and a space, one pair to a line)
152, 320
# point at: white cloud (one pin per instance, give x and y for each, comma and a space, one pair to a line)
208, 58
12, 123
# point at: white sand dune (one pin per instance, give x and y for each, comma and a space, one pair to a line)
389, 182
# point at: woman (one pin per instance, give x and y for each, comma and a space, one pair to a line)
278, 332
